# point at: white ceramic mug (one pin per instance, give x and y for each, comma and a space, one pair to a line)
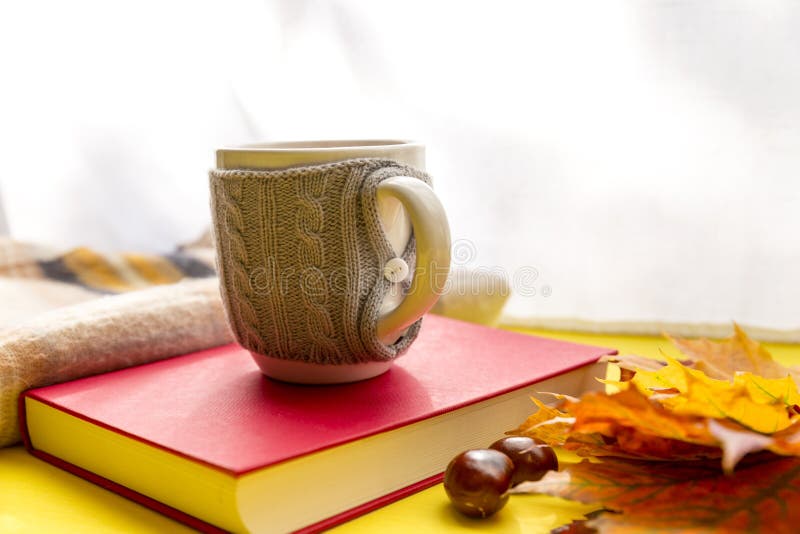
403, 203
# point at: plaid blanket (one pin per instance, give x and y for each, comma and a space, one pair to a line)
34, 279
75, 313
109, 273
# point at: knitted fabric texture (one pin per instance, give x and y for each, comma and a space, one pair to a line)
300, 254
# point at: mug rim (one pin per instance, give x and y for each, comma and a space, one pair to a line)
324, 145
286, 154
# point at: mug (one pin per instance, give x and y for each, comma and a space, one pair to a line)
329, 253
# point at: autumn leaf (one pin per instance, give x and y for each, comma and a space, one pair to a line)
549, 424
755, 402
679, 445
579, 526
720, 360
686, 497
738, 354
630, 418
737, 442
626, 424
634, 362
752, 412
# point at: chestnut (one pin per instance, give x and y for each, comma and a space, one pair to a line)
531, 457
477, 481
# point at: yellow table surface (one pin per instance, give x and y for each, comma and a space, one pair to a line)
36, 497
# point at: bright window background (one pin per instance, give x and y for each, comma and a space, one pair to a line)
618, 160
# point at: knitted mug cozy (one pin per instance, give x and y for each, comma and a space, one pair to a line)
301, 255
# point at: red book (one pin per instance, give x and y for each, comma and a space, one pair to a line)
207, 439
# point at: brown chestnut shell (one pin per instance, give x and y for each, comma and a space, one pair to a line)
477, 481
532, 458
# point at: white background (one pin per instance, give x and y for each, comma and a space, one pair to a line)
642, 157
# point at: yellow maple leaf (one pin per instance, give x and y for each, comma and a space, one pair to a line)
770, 390
753, 401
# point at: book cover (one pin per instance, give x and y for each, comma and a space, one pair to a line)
207, 439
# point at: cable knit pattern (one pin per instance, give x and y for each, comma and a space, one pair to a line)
313, 284
300, 255
241, 314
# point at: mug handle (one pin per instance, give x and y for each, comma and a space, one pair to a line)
432, 238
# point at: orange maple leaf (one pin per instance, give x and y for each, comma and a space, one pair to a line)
626, 424
548, 424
